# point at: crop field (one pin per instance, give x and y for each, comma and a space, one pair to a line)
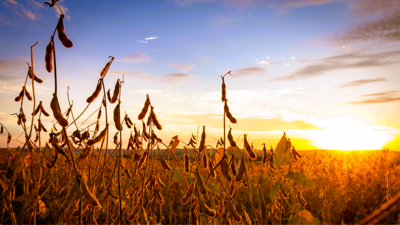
340, 188
87, 176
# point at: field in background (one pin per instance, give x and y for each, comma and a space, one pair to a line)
347, 187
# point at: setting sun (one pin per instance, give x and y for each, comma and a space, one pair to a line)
346, 133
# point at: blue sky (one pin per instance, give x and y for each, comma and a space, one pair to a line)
300, 66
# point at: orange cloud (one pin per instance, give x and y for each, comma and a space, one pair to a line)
138, 57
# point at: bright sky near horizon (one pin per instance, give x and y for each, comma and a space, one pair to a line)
326, 72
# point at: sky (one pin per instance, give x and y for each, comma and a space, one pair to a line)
326, 72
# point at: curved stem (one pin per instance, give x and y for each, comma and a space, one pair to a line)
70, 105
79, 115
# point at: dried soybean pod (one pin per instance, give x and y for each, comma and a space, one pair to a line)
61, 33
106, 67
208, 210
89, 196
8, 138
188, 194
109, 96
99, 114
296, 153
159, 197
68, 111
225, 169
27, 94
159, 181
37, 109
32, 74
145, 130
145, 108
19, 119
134, 212
221, 206
265, 156
41, 126
166, 166
30, 146
100, 137
142, 160
211, 166
129, 120
44, 111
49, 56
233, 211
70, 196
228, 113
23, 117
205, 163
203, 139
115, 138
223, 87
248, 149
187, 162
96, 129
240, 171
230, 138
232, 188
245, 218
96, 92
21, 94
233, 166
116, 91
200, 184
55, 107
126, 122
154, 118
117, 119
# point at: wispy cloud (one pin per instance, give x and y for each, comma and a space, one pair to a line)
4, 21
12, 2
219, 20
377, 100
377, 21
248, 71
304, 3
146, 40
247, 124
352, 60
362, 81
37, 4
282, 5
263, 62
384, 29
380, 97
380, 94
173, 78
138, 57
182, 67
29, 14
150, 38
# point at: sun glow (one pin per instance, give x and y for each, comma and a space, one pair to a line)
347, 133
